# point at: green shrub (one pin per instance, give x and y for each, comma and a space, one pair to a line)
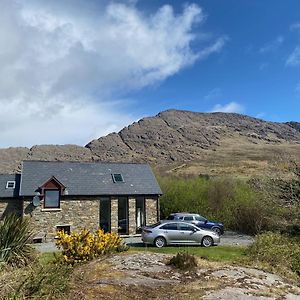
231, 201
15, 234
183, 261
277, 250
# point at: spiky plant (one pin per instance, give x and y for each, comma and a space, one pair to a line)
15, 233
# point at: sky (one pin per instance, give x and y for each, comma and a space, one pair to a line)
75, 70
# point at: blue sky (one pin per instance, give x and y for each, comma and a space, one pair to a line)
75, 70
250, 70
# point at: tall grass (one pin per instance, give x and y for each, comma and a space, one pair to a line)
277, 250
15, 233
231, 201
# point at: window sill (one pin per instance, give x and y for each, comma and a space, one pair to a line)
51, 209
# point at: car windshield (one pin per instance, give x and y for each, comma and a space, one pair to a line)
171, 217
200, 218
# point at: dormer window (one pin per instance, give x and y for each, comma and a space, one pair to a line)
117, 178
10, 184
52, 199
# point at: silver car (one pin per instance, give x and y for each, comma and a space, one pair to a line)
176, 233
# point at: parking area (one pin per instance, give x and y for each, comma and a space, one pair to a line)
229, 238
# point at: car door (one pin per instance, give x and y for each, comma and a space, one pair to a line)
188, 233
171, 233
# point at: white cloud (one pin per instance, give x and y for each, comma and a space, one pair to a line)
272, 46
63, 65
231, 107
294, 58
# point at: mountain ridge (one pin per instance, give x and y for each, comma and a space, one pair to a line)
169, 138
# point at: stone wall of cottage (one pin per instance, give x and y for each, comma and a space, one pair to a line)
114, 215
152, 213
10, 206
77, 213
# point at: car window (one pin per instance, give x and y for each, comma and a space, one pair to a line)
172, 226
154, 225
180, 217
200, 218
171, 217
189, 218
186, 227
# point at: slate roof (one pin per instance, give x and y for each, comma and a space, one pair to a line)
90, 178
9, 193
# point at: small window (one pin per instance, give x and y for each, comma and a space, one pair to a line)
172, 226
117, 178
64, 228
52, 199
189, 218
10, 184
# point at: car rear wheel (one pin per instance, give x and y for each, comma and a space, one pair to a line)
207, 241
160, 242
217, 230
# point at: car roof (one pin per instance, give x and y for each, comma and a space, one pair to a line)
184, 214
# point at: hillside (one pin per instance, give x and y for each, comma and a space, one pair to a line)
182, 141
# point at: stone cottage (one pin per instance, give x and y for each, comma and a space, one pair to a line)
117, 197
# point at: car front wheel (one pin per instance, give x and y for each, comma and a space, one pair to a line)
217, 230
207, 241
160, 242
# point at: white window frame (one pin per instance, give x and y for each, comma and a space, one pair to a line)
11, 182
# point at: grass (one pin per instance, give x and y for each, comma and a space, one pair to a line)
219, 253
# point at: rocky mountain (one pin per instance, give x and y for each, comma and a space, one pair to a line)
191, 140
175, 135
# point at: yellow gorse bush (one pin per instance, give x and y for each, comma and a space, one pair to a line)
85, 245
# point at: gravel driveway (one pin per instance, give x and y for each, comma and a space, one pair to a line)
229, 238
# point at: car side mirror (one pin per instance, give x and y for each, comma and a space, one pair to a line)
205, 221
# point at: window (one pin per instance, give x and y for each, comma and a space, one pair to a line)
117, 178
52, 199
105, 213
140, 213
190, 218
123, 215
200, 218
64, 228
10, 184
186, 227
172, 226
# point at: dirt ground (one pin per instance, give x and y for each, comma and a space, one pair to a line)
146, 276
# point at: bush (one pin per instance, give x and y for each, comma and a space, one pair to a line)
84, 245
183, 261
277, 250
15, 234
231, 201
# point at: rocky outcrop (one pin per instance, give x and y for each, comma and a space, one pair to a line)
175, 135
